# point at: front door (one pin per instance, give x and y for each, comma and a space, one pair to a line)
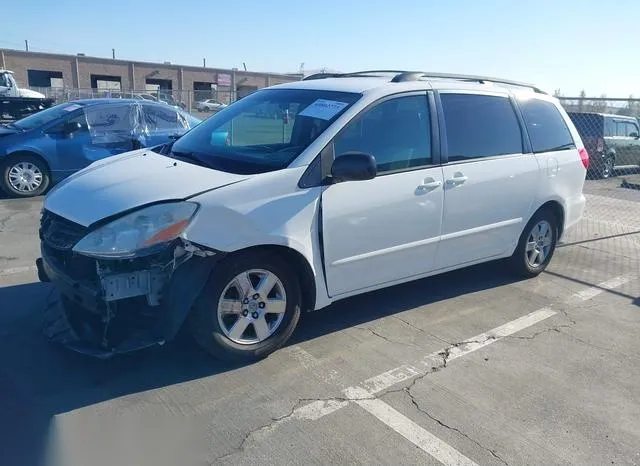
629, 145
106, 130
489, 184
385, 229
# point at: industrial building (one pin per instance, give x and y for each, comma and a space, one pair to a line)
37, 70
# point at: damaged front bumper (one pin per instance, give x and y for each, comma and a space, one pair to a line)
104, 307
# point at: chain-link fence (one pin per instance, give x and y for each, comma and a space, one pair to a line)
606, 242
200, 103
610, 130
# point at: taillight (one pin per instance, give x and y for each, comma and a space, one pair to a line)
584, 156
600, 145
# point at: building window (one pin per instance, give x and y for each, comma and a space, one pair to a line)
43, 78
159, 84
204, 90
106, 83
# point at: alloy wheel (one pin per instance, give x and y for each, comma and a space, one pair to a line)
607, 169
252, 307
539, 244
25, 177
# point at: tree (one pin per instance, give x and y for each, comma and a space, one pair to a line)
583, 94
595, 106
632, 108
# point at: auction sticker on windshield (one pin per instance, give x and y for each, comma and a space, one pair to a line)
323, 109
72, 107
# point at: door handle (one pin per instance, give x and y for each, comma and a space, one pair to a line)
457, 179
430, 183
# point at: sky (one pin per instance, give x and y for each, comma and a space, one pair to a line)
564, 44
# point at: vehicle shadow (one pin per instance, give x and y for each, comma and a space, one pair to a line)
386, 302
39, 380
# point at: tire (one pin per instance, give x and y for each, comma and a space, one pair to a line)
608, 167
521, 260
213, 330
30, 166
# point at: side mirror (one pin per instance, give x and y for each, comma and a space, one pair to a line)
220, 138
354, 166
71, 127
634, 135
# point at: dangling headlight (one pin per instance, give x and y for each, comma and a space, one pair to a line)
138, 232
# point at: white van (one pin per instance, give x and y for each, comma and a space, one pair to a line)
357, 182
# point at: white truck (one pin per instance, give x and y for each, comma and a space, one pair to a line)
16, 103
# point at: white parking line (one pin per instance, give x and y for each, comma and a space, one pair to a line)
424, 440
18, 270
318, 409
386, 380
594, 291
363, 394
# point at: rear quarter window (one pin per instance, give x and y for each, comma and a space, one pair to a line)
546, 127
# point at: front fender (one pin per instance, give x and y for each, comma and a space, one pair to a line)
243, 216
26, 143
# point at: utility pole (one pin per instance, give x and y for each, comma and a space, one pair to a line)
204, 62
26, 45
113, 53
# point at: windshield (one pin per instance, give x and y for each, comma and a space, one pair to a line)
46, 116
264, 131
193, 121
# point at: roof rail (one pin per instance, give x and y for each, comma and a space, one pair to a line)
321, 76
401, 76
415, 76
364, 74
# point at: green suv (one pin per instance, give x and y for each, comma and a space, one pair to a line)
613, 142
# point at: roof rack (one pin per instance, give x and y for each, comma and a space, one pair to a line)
417, 75
406, 76
361, 74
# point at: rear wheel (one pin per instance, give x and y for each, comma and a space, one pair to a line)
24, 176
249, 307
536, 245
608, 167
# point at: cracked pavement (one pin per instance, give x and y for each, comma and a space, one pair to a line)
562, 391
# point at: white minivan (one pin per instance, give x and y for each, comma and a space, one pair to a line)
355, 182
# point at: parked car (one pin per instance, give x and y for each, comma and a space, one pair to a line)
243, 223
209, 105
167, 98
613, 141
143, 96
42, 149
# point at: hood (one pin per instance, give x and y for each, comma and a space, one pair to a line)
133, 179
6, 131
31, 94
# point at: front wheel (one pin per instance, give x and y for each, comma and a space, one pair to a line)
536, 245
249, 307
24, 176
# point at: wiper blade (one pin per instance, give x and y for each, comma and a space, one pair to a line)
189, 156
185, 155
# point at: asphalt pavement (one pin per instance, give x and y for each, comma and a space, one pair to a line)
470, 367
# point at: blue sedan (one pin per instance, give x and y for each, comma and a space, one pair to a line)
42, 149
